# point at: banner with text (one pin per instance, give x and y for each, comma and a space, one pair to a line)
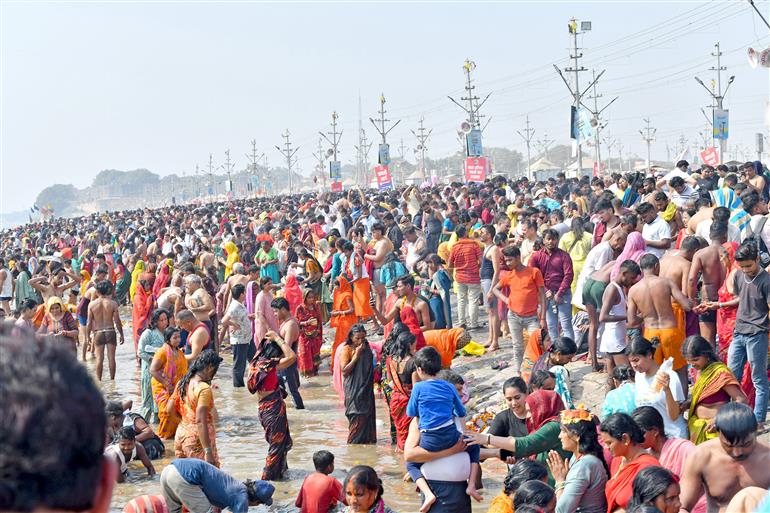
475, 169
710, 156
384, 180
336, 186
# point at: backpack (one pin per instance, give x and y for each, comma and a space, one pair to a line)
756, 239
391, 270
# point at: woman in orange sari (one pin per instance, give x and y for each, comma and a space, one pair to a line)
167, 368
143, 306
361, 284
194, 400
343, 314
623, 438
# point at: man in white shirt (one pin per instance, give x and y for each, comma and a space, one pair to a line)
656, 231
758, 210
682, 194
238, 320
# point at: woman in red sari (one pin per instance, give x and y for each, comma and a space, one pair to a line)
623, 438
163, 278
143, 306
308, 316
401, 373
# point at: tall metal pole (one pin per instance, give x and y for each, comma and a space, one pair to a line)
422, 138
576, 69
528, 138
543, 144
648, 135
289, 154
718, 97
336, 136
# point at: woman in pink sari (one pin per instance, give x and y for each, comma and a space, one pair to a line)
264, 317
633, 250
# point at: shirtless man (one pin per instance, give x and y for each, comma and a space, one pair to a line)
707, 265
198, 334
82, 310
197, 300
206, 257
382, 246
405, 292
753, 179
723, 466
289, 332
53, 284
239, 277
676, 264
171, 299
650, 299
103, 320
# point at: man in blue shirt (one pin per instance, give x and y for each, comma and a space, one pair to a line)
199, 486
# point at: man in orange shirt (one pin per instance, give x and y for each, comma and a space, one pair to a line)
526, 301
465, 261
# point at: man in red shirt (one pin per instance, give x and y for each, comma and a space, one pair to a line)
465, 261
526, 301
320, 492
556, 266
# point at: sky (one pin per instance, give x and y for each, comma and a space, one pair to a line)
160, 85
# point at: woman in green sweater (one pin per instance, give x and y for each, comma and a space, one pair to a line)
543, 408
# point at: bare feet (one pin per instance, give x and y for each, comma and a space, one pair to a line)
471, 490
430, 498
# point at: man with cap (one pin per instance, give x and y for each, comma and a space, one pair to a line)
200, 486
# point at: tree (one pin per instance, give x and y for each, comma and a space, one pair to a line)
61, 198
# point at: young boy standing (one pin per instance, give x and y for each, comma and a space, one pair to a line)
320, 492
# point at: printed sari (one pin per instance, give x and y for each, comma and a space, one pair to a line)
187, 443
174, 367
272, 415
711, 380
399, 398
310, 339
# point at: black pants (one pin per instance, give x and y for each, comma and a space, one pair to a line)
242, 353
290, 377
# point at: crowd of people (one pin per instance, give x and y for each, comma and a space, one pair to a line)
659, 281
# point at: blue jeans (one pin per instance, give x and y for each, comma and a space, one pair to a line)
562, 316
438, 440
755, 348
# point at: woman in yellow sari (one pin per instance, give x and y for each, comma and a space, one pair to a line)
577, 242
232, 257
167, 368
714, 387
196, 436
138, 270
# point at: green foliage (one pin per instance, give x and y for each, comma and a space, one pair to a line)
115, 177
60, 197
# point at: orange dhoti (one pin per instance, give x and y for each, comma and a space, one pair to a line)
361, 295
671, 341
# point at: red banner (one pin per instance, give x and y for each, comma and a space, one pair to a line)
384, 180
710, 156
336, 186
475, 169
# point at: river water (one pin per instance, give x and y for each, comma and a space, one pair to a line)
242, 447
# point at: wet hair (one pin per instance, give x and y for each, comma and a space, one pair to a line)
515, 382
356, 328
538, 379
640, 346
237, 290
156, 315
735, 421
169, 332
280, 303
27, 304
563, 346
52, 426
588, 439
746, 251
533, 492
619, 424
451, 376
718, 231
113, 409
322, 460
721, 215
696, 346
125, 433
650, 483
399, 346
104, 287
648, 261
428, 360
623, 373
643, 508
521, 472
647, 417
203, 361
629, 266
366, 476
690, 243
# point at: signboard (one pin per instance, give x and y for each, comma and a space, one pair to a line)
760, 143
597, 170
384, 155
721, 123
710, 157
475, 169
336, 186
473, 143
384, 180
229, 185
335, 171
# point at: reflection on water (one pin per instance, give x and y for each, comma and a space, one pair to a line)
242, 447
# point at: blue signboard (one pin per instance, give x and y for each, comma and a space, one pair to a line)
473, 142
721, 124
335, 170
384, 159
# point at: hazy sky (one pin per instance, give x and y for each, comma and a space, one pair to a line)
91, 86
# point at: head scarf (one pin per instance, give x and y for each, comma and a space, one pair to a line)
86, 277
138, 269
544, 406
730, 248
54, 300
232, 257
633, 250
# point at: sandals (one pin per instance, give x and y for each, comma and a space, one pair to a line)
500, 365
